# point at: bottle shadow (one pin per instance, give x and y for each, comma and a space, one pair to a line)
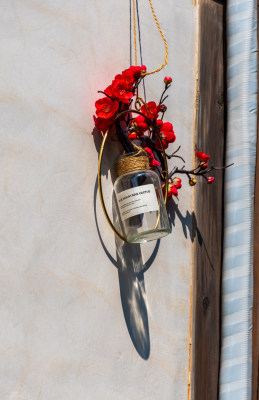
133, 295
131, 269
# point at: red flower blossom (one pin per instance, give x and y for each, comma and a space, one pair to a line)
108, 91
159, 123
172, 191
120, 90
106, 108
150, 109
152, 161
103, 124
173, 188
168, 132
177, 182
167, 135
136, 71
202, 156
159, 108
139, 124
132, 135
127, 77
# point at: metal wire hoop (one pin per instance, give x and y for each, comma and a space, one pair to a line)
100, 169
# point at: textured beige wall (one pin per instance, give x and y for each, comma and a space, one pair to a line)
77, 321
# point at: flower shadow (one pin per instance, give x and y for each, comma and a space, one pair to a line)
189, 226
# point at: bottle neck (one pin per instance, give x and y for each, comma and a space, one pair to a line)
131, 162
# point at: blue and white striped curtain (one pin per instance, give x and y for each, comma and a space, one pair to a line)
236, 352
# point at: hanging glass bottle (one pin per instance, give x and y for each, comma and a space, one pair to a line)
140, 204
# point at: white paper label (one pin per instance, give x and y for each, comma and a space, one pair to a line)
137, 200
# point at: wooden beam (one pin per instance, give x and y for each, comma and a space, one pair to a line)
255, 373
208, 220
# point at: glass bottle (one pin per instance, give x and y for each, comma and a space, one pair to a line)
140, 206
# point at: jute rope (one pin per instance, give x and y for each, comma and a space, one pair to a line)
132, 162
161, 34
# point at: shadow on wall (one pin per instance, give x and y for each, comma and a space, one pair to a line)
132, 288
131, 269
129, 264
189, 225
133, 295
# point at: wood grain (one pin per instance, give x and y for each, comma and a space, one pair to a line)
208, 220
255, 373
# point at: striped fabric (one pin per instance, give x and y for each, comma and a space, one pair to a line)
236, 352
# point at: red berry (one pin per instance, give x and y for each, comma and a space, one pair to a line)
167, 80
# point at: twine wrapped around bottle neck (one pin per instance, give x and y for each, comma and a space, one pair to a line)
131, 162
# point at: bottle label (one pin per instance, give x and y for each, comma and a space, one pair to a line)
137, 200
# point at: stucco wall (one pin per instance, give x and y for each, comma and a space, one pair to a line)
77, 321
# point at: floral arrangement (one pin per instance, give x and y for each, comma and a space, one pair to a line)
115, 110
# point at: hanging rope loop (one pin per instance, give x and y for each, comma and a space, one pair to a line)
161, 34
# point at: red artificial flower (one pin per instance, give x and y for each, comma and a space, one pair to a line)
202, 156
120, 90
210, 180
177, 182
132, 135
167, 135
103, 124
150, 109
159, 123
172, 190
127, 77
108, 91
136, 71
168, 132
139, 124
152, 161
173, 187
106, 108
